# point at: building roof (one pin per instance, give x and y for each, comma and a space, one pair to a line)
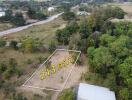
2, 13
51, 8
92, 92
82, 13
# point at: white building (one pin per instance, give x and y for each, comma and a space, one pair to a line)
2, 13
51, 9
92, 92
80, 13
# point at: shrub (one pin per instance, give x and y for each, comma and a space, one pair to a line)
2, 43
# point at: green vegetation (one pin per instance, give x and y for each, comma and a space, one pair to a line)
67, 95
108, 46
68, 16
33, 14
21, 53
31, 45
2, 43
45, 32
16, 20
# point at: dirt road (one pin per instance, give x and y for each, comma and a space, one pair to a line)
13, 30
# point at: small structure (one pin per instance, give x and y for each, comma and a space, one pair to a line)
80, 13
51, 9
2, 13
92, 92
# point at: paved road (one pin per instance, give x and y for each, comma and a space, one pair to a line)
13, 30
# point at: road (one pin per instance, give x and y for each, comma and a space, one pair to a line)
13, 30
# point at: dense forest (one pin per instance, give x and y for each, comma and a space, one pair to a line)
108, 46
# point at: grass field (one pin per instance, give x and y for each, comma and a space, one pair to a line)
5, 26
29, 62
44, 32
25, 60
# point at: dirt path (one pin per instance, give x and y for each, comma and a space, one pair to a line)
13, 30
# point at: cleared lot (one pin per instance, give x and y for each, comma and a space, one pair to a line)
63, 62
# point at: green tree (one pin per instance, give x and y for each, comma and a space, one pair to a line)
125, 71
63, 36
85, 29
13, 44
52, 46
18, 19
124, 94
106, 39
101, 60
120, 47
68, 16
2, 42
3, 67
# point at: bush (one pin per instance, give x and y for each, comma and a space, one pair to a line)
13, 44
31, 45
18, 19
2, 43
52, 46
68, 16
67, 95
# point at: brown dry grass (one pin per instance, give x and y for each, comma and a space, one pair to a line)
45, 32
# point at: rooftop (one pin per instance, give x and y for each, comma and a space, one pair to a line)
92, 92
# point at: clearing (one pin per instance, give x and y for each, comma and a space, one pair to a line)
64, 78
49, 78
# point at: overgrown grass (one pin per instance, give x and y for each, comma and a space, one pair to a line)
44, 32
5, 26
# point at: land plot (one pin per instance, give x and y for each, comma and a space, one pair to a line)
53, 73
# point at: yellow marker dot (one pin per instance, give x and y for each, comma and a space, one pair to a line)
48, 72
60, 65
42, 77
64, 63
67, 62
70, 60
53, 68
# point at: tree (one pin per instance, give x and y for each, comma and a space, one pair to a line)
119, 13
85, 29
52, 46
120, 47
74, 42
18, 19
13, 44
125, 71
72, 27
124, 94
106, 39
101, 60
110, 81
2, 42
63, 36
68, 16
3, 67
95, 21
31, 13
